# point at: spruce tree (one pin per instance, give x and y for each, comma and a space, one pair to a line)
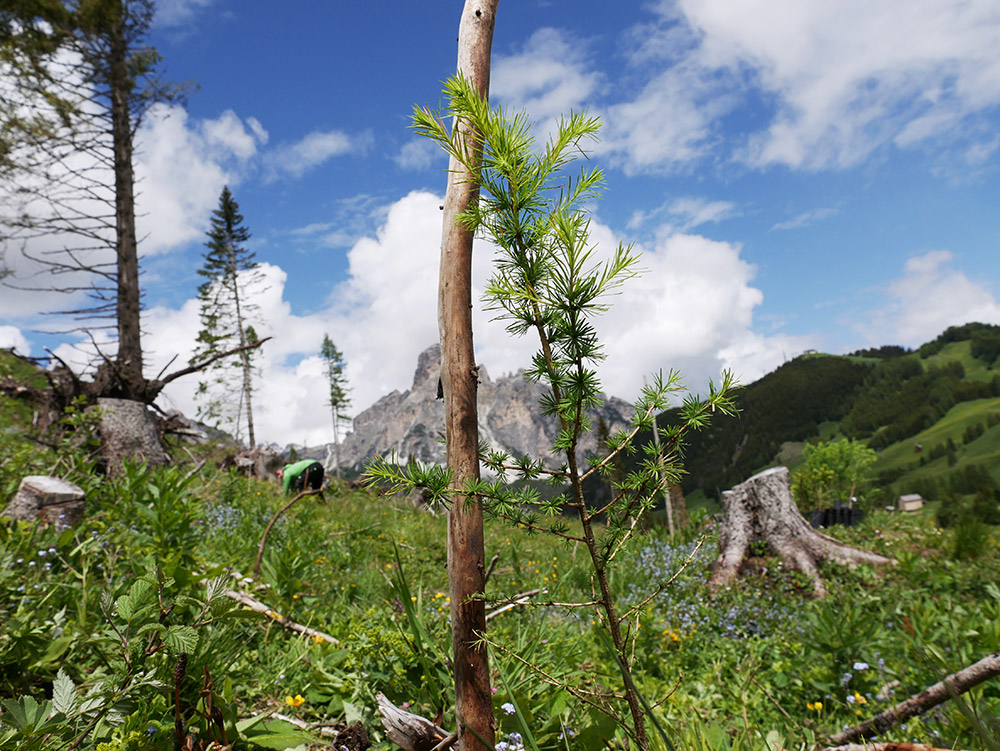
339, 400
230, 271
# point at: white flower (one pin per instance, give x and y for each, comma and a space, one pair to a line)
861, 666
507, 707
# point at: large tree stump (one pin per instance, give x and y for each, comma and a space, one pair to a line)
762, 510
128, 431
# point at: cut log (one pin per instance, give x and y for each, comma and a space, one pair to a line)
57, 501
128, 431
409, 731
762, 510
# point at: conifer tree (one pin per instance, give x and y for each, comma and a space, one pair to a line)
339, 400
230, 271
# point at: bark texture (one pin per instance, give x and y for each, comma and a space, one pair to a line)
128, 431
762, 510
940, 692
459, 378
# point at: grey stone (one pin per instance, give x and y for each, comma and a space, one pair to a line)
57, 501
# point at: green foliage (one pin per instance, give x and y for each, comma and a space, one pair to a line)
549, 281
831, 471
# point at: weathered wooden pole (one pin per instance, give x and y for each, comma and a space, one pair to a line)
459, 379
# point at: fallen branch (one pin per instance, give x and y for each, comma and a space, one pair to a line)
940, 692
303, 724
257, 605
267, 530
412, 732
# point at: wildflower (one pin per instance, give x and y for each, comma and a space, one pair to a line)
319, 639
858, 698
860, 666
507, 707
814, 705
295, 701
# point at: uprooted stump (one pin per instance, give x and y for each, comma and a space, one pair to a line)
762, 510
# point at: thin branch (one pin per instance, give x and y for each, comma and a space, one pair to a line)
267, 530
258, 606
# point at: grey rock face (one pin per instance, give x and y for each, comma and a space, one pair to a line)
411, 424
59, 502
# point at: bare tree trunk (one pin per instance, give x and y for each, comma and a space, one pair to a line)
762, 509
940, 692
336, 440
129, 358
466, 557
244, 354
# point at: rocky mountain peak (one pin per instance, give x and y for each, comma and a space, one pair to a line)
410, 424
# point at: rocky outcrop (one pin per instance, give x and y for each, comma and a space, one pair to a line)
410, 424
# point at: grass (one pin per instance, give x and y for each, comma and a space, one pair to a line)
720, 671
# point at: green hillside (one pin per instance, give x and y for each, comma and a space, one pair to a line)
933, 416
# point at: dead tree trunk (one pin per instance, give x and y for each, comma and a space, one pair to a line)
762, 510
459, 379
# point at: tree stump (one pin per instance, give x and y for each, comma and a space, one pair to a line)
128, 431
762, 510
57, 501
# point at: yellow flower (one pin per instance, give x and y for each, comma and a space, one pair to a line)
815, 706
319, 639
295, 701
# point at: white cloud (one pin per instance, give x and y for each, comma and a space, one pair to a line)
811, 85
692, 310
11, 337
418, 154
295, 159
176, 12
548, 77
929, 297
182, 167
686, 213
805, 218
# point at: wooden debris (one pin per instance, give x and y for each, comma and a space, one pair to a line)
412, 732
940, 692
257, 605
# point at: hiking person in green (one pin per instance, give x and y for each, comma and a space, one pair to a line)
302, 475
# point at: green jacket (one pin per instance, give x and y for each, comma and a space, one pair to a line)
292, 472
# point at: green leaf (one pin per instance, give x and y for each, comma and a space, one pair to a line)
64, 693
181, 638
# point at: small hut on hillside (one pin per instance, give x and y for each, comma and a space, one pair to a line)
910, 502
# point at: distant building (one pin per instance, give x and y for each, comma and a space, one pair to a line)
911, 502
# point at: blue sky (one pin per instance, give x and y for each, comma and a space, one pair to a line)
799, 175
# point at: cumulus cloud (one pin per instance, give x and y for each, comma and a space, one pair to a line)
930, 296
182, 167
692, 309
12, 338
807, 85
